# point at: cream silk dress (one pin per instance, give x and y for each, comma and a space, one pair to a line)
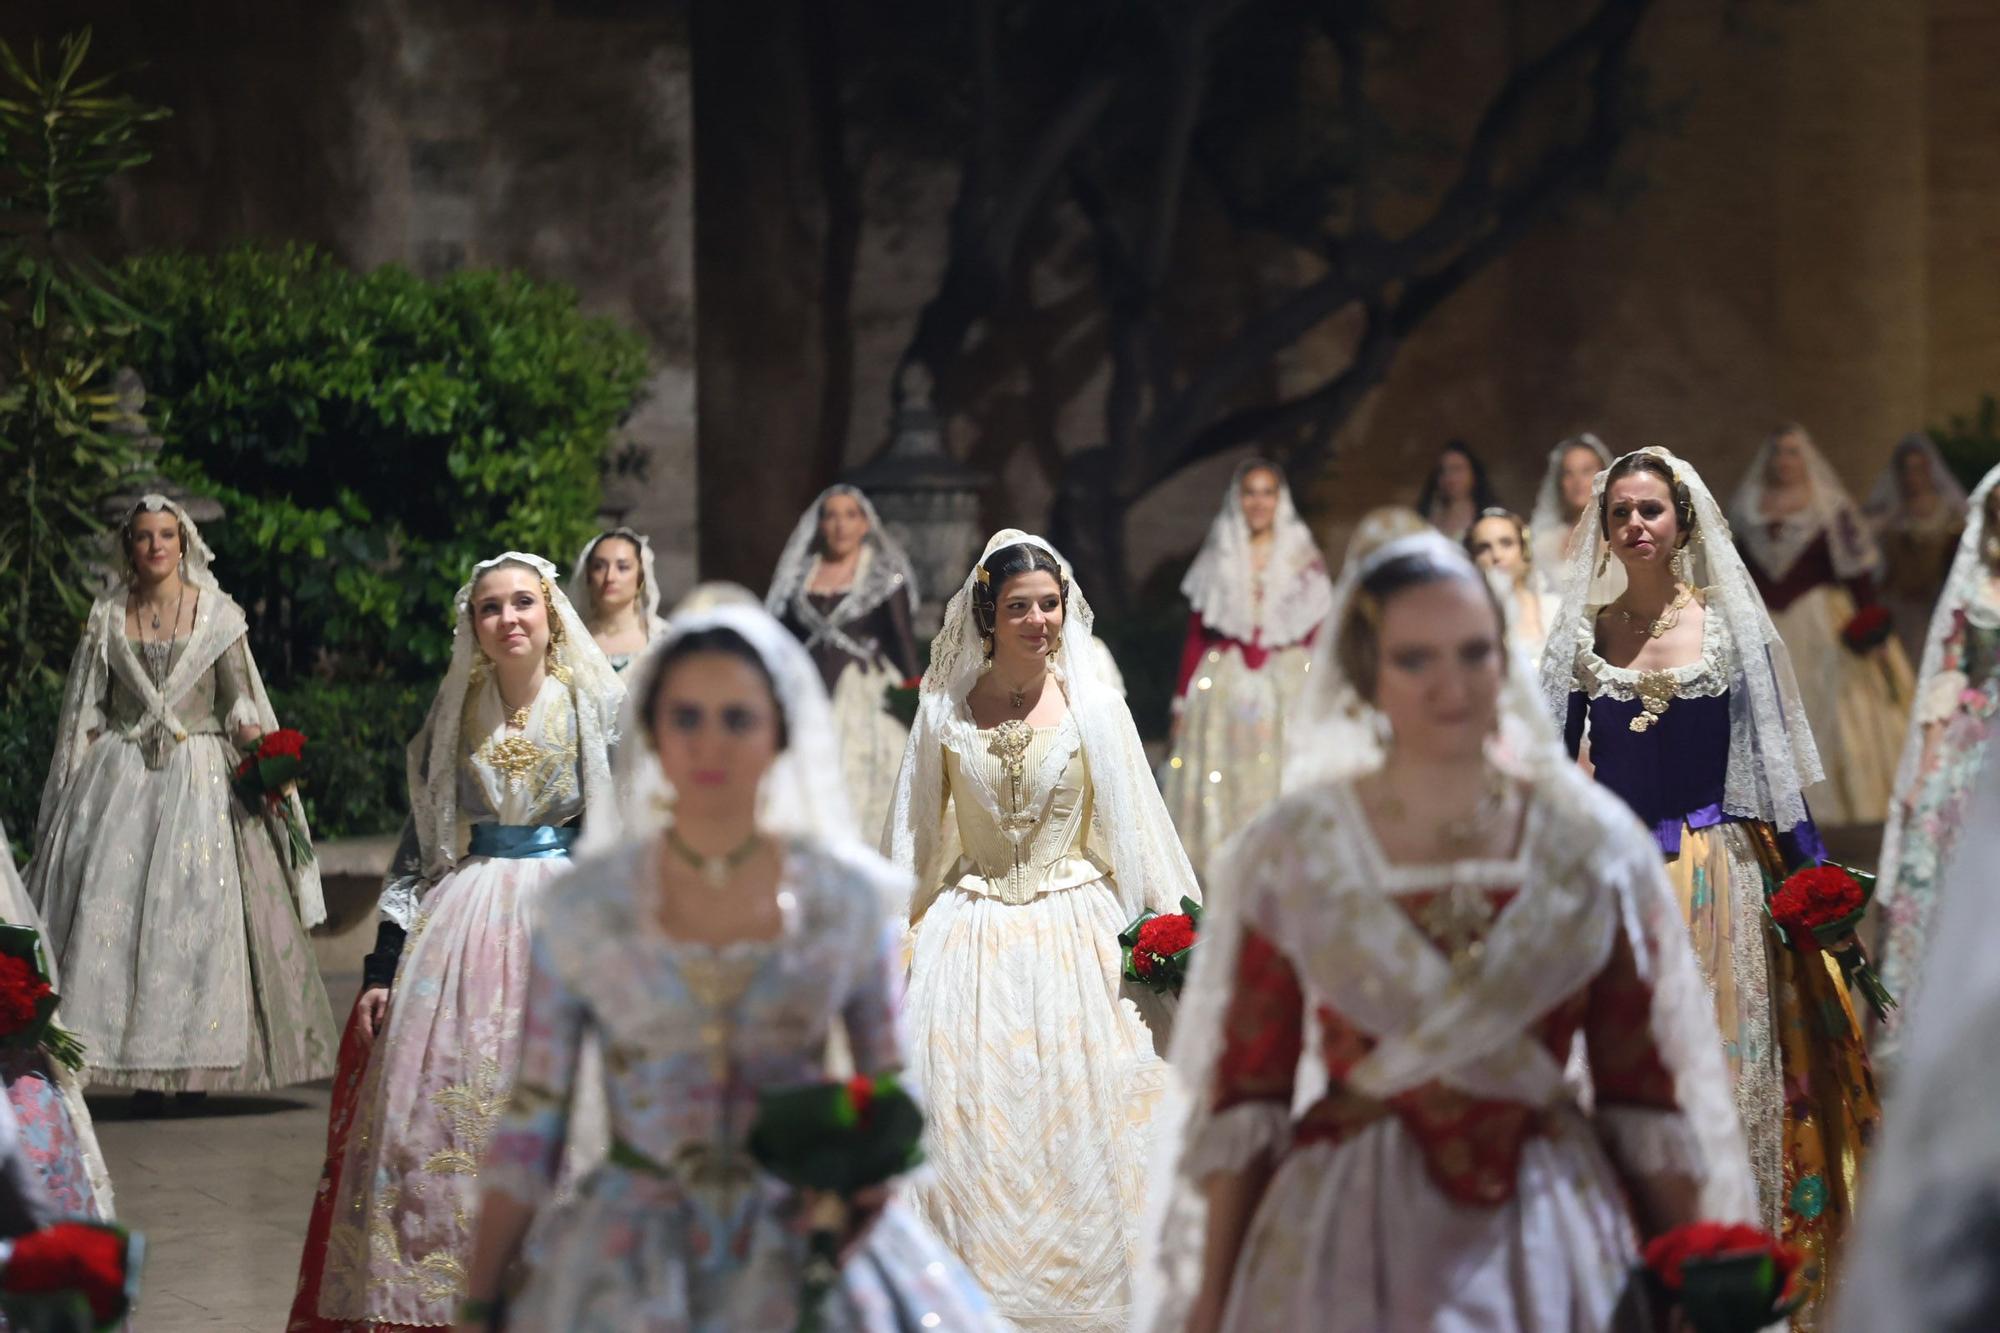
1040, 1077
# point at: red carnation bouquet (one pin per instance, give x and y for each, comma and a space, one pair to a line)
28, 999
267, 774
901, 700
1818, 908
1727, 1277
1868, 629
836, 1139
73, 1277
1158, 946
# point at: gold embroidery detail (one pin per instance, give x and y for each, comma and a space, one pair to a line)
1655, 690
1457, 919
472, 1108
440, 1276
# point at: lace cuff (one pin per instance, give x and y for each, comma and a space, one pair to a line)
1648, 1141
242, 713
1939, 699
399, 900
1233, 1139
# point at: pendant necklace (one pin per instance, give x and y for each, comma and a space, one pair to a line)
1668, 618
714, 869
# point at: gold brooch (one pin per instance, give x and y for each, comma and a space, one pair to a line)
1656, 691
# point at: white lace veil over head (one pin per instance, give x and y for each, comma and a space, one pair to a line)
1969, 572
1547, 521
101, 654
1889, 511
581, 597
1777, 544
1594, 871
801, 794
884, 569
575, 661
1772, 757
1148, 864
1221, 585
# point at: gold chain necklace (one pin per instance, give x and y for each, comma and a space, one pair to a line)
1668, 618
715, 869
1460, 835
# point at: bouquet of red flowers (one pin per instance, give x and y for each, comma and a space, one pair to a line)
1818, 908
265, 776
73, 1277
901, 700
1868, 629
836, 1139
28, 999
1726, 1277
1158, 945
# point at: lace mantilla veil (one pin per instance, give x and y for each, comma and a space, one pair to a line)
219, 623
801, 794
1885, 507
1548, 526
883, 571
577, 662
1590, 843
1220, 584
1961, 588
578, 588
1148, 864
1772, 758
1777, 545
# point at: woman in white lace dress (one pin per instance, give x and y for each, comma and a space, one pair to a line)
1256, 591
1499, 543
1436, 908
174, 911
616, 592
848, 591
1573, 465
1030, 821
1815, 562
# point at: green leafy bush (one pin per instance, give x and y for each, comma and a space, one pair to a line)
372, 435
357, 732
27, 739
1971, 444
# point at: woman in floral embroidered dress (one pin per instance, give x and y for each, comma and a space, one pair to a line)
1029, 819
1664, 663
1918, 511
174, 911
710, 955
1958, 696
1258, 589
1436, 915
516, 746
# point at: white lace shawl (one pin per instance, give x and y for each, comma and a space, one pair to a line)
1962, 589
595, 692
1772, 757
1548, 526
1148, 863
1777, 544
1886, 508
883, 571
801, 795
1306, 873
1221, 585
219, 623
580, 595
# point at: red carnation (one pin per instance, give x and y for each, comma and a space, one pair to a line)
22, 992
1666, 1254
1814, 900
284, 742
1165, 936
861, 1091
72, 1256
1868, 628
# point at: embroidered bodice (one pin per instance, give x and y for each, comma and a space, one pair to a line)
1024, 810
1968, 674
690, 1032
217, 700
1469, 926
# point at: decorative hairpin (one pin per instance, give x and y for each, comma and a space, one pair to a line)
983, 574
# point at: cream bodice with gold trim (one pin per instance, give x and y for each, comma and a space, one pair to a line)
1024, 812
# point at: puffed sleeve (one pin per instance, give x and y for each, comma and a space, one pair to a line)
527, 1147
235, 701
1262, 1037
1938, 700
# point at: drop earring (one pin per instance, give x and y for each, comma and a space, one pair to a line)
1604, 563
1679, 564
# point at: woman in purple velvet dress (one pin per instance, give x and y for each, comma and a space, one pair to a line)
1665, 664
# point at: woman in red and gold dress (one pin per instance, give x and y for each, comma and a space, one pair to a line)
1437, 907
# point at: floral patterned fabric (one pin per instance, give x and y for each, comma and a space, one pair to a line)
677, 1233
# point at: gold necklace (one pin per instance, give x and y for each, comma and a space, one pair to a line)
715, 869
1017, 699
1668, 618
1462, 834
